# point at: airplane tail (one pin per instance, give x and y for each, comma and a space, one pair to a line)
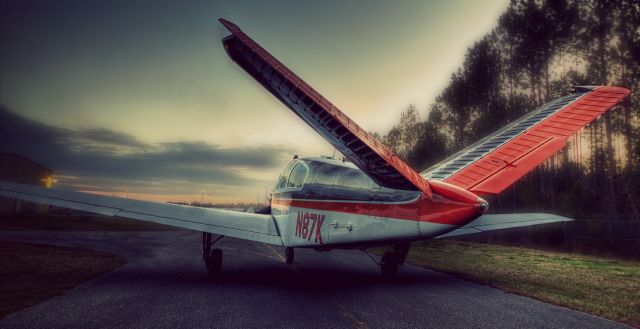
373, 158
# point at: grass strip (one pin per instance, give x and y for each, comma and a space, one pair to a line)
31, 273
609, 288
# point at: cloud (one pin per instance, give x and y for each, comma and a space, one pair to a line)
110, 160
101, 135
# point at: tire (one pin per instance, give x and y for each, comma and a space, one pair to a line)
389, 269
214, 265
288, 255
389, 264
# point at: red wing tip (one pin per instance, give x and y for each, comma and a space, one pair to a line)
609, 89
614, 89
230, 26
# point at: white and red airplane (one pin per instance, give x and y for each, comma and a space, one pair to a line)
375, 199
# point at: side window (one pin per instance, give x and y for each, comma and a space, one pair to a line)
298, 176
369, 185
326, 176
351, 179
349, 185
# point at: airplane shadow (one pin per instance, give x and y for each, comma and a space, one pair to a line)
307, 280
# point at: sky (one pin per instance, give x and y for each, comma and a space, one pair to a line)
138, 98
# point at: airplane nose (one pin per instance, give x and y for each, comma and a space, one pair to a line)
481, 205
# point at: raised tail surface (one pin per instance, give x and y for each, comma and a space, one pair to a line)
355, 143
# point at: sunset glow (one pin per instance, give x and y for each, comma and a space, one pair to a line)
149, 83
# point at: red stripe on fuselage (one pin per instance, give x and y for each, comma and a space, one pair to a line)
451, 206
406, 211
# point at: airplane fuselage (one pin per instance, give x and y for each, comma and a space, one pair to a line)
325, 203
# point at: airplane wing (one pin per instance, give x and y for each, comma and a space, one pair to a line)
497, 161
248, 226
380, 163
503, 221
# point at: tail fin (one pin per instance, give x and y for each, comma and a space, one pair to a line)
380, 163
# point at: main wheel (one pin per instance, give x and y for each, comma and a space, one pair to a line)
288, 255
389, 264
214, 262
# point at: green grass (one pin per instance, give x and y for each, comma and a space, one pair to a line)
78, 223
31, 273
609, 288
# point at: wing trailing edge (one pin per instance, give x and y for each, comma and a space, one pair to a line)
499, 160
360, 147
248, 226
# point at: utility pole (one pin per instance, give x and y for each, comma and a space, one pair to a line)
266, 195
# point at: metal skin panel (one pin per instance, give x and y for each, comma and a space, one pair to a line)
248, 226
440, 216
380, 163
348, 230
492, 165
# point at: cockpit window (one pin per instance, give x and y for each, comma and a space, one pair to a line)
282, 180
326, 175
293, 176
298, 176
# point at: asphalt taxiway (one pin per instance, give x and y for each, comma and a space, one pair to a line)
165, 285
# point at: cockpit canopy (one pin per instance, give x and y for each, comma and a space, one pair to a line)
316, 178
293, 176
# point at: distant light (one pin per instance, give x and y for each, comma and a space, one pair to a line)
49, 181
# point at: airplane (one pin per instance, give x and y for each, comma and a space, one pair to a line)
374, 198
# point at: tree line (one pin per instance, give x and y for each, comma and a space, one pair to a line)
538, 51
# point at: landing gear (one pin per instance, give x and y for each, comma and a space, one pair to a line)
392, 260
389, 264
288, 255
212, 257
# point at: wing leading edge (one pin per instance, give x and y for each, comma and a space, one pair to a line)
504, 221
382, 165
499, 160
248, 226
